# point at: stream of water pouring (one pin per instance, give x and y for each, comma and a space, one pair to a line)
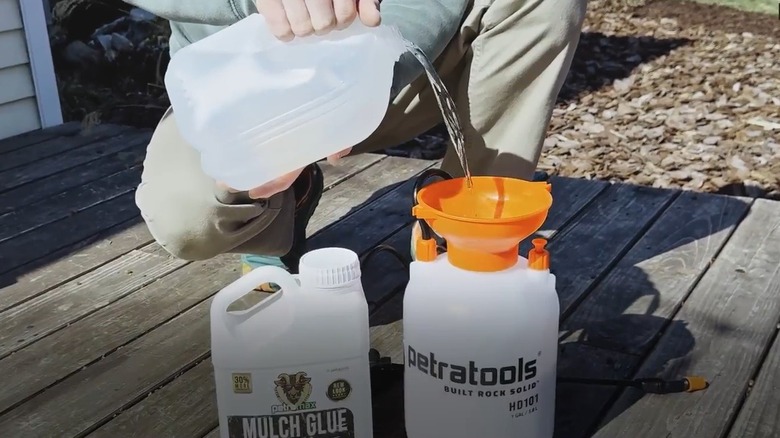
447, 107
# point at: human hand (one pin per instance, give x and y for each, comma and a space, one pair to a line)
283, 182
290, 18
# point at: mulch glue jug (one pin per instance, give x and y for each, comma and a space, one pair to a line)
296, 364
480, 322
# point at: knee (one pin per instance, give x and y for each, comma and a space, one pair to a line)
181, 224
556, 22
563, 19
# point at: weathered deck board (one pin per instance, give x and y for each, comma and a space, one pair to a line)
49, 166
363, 186
39, 151
61, 266
607, 334
721, 333
758, 417
71, 179
43, 315
64, 352
614, 222
64, 204
40, 135
188, 399
68, 231
94, 395
651, 281
365, 232
570, 198
347, 167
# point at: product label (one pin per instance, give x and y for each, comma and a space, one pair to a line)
331, 423
516, 384
327, 401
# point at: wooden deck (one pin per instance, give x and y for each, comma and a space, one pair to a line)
103, 334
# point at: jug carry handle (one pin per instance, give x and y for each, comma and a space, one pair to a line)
425, 229
247, 283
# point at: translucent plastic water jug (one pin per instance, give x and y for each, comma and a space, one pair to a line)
480, 322
295, 364
256, 107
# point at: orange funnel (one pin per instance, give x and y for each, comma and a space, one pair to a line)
483, 225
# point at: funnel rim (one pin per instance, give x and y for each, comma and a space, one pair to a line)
542, 208
502, 220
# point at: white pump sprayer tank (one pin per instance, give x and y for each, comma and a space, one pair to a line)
480, 322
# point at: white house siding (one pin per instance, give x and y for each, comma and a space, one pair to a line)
19, 110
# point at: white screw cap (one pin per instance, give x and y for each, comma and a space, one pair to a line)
328, 268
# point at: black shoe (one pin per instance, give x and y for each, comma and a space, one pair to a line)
308, 188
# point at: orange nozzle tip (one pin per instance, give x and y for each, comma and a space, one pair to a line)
538, 257
696, 383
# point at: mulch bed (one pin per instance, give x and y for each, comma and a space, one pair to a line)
724, 19
656, 102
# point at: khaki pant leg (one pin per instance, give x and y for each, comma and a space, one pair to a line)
193, 219
504, 68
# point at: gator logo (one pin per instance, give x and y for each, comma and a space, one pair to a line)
293, 389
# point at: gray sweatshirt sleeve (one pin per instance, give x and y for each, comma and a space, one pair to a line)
213, 12
430, 24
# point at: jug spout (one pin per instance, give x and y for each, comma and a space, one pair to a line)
482, 225
394, 41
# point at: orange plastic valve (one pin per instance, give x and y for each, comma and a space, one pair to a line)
424, 249
538, 257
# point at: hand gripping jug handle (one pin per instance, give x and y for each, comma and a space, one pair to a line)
247, 283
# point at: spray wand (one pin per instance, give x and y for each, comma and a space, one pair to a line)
647, 385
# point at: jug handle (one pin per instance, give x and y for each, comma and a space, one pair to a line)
247, 283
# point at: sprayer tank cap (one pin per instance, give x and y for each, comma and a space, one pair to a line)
328, 268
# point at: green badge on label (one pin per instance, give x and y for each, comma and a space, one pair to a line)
339, 390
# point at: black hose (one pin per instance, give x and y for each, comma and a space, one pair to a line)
379, 248
425, 229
